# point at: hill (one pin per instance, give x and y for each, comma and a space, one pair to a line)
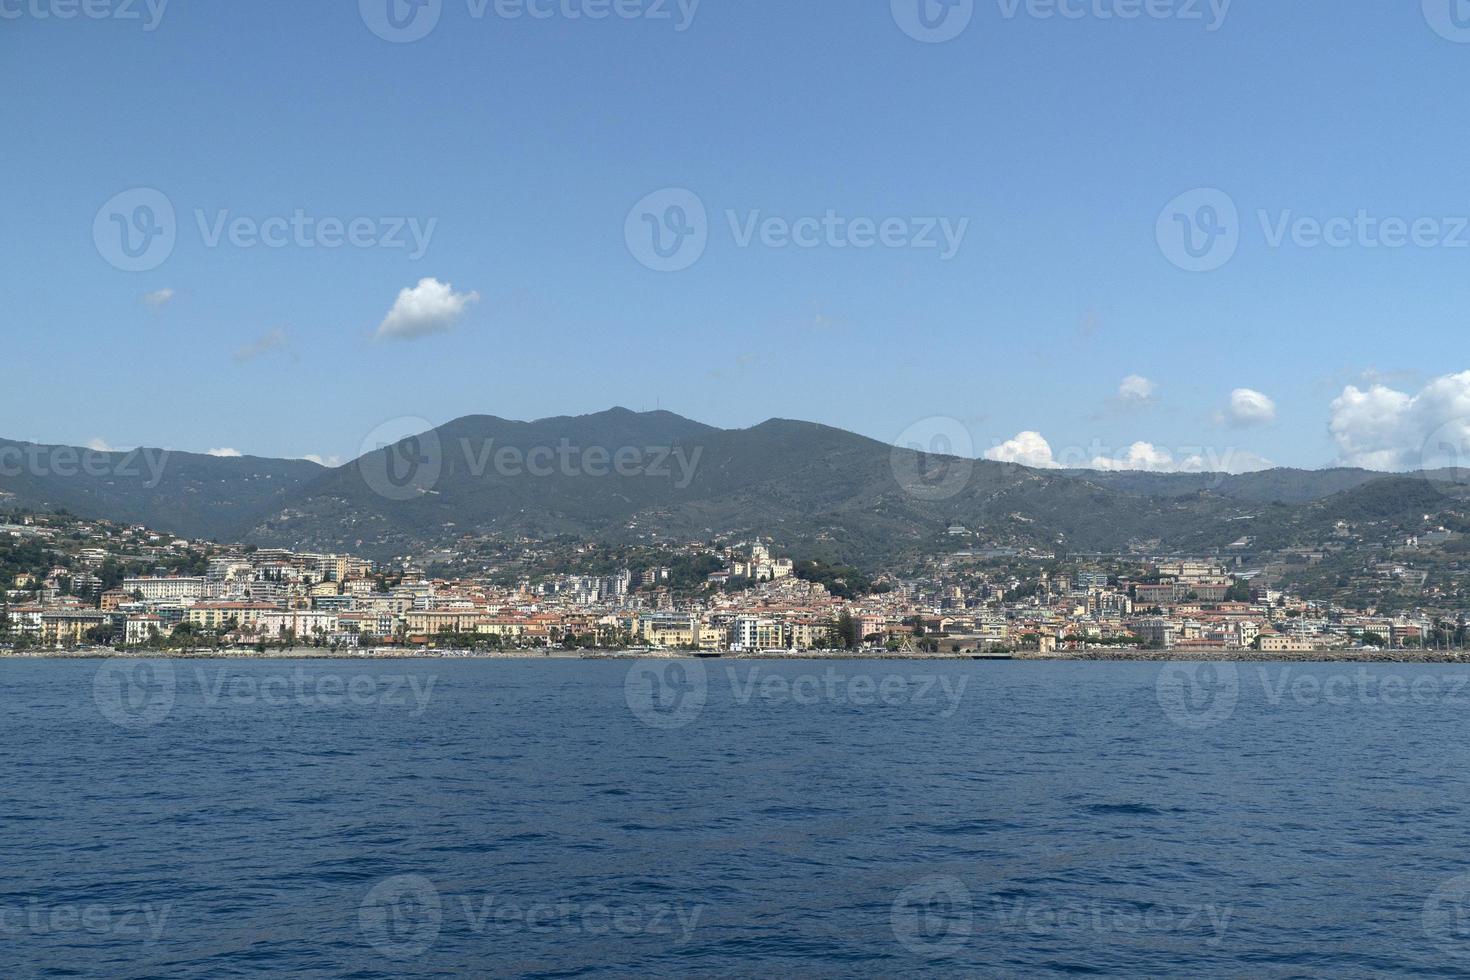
622, 476
1290, 486
191, 494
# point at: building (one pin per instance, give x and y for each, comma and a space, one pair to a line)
139, 629
754, 633
807, 635
1280, 643
1190, 571
1158, 633
301, 624
220, 615
70, 627
1149, 596
427, 622
162, 589
669, 630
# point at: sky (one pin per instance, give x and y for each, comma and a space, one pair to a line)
1120, 233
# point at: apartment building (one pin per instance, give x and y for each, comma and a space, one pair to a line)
218, 615
1155, 632
70, 627
755, 633
164, 589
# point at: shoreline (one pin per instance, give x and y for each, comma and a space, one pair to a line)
1181, 655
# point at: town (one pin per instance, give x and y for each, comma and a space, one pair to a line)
78, 584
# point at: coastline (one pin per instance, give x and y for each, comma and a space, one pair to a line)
1178, 655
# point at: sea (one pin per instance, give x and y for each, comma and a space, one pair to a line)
732, 818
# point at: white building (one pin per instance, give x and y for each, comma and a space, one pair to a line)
162, 589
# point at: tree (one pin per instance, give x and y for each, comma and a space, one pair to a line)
847, 631
842, 581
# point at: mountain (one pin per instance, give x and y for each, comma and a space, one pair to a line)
192, 494
1285, 485
819, 490
626, 476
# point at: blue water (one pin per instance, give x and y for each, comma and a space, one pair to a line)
562, 819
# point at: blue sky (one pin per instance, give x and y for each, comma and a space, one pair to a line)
524, 144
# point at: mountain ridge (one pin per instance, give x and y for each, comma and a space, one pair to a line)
623, 475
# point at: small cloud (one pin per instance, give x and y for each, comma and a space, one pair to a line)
331, 462
1143, 456
1089, 324
158, 299
1136, 391
428, 308
1402, 379
1234, 461
1247, 408
1027, 449
1148, 458
275, 340
226, 453
99, 446
737, 365
822, 320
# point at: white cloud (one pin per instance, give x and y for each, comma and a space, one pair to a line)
1384, 429
1028, 449
1139, 456
331, 462
430, 307
274, 340
99, 446
1146, 457
159, 298
1032, 449
1249, 407
1233, 461
1136, 390
226, 453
